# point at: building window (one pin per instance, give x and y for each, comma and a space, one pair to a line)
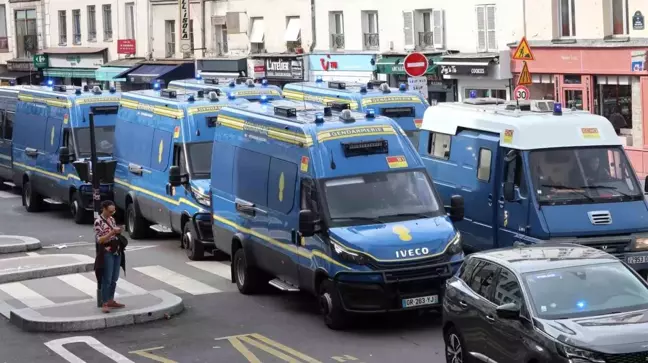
130, 20
336, 29
567, 18
369, 23
619, 17
429, 25
613, 100
92, 24
486, 39
439, 146
4, 40
62, 25
481, 93
107, 23
293, 33
220, 39
257, 35
26, 33
76, 26
170, 35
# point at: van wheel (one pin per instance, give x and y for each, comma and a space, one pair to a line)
79, 213
136, 226
32, 201
247, 277
195, 251
331, 306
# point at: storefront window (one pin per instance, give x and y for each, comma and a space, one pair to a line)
614, 101
480, 93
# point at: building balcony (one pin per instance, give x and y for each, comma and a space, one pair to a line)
337, 41
426, 40
371, 41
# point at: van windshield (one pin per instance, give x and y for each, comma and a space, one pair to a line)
199, 155
380, 198
583, 175
104, 139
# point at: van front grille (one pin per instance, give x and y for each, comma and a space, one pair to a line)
600, 217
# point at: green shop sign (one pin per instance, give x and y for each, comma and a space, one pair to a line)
41, 61
394, 65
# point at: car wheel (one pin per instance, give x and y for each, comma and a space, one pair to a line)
454, 347
80, 214
331, 306
247, 277
32, 201
195, 251
136, 225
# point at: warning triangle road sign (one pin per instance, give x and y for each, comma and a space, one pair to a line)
525, 76
523, 51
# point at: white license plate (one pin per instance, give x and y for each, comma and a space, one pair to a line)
633, 260
419, 301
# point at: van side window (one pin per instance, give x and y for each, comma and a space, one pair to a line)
179, 158
484, 164
439, 145
281, 185
9, 120
251, 176
515, 173
308, 196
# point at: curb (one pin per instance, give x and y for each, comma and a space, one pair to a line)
32, 320
82, 264
26, 244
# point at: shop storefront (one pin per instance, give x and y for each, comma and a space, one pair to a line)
280, 69
478, 74
222, 68
602, 80
19, 72
107, 73
74, 66
390, 68
146, 74
344, 67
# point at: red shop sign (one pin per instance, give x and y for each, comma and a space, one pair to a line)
126, 46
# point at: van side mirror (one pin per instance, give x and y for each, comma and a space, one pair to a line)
509, 191
457, 209
308, 223
508, 311
176, 178
64, 155
646, 185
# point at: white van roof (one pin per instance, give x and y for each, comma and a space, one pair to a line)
522, 130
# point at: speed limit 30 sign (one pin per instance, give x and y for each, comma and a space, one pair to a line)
521, 93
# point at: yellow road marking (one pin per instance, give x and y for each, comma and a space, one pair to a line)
243, 349
286, 349
269, 350
146, 354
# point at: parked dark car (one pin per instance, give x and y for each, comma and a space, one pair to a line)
543, 304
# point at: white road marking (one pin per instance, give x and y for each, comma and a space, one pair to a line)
57, 347
7, 195
130, 288
213, 267
177, 280
25, 295
32, 254
81, 283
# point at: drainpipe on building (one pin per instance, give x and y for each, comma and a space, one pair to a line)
313, 26
202, 27
524, 22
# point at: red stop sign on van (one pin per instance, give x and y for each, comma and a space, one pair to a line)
416, 64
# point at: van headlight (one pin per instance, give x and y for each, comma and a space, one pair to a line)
578, 355
455, 246
641, 243
202, 198
347, 255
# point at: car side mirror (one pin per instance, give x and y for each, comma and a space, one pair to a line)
176, 178
64, 155
646, 185
509, 191
307, 223
457, 209
508, 311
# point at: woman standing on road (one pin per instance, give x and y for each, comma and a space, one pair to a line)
109, 256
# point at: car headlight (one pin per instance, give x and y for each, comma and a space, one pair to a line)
202, 198
577, 355
641, 243
347, 255
454, 246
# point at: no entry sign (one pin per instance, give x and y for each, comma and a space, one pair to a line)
416, 64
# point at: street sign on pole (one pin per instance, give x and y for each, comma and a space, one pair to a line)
415, 64
40, 60
185, 32
523, 51
521, 93
525, 76
418, 84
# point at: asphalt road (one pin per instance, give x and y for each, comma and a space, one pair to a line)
218, 325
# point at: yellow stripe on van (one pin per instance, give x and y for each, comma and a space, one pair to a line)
347, 132
47, 101
256, 92
158, 110
324, 100
390, 99
195, 110
158, 196
93, 100
48, 173
295, 138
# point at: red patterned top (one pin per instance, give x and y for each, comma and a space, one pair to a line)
101, 228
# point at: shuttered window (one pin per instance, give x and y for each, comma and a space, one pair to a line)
408, 27
486, 28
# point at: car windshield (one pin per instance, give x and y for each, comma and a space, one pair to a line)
200, 154
375, 198
583, 291
104, 139
583, 175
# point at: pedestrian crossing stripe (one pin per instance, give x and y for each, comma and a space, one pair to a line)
8, 195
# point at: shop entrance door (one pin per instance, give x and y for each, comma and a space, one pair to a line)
573, 98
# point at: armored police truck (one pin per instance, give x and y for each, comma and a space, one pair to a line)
536, 173
50, 131
403, 106
157, 131
334, 203
247, 90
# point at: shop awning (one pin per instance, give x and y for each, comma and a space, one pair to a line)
292, 30
147, 73
394, 65
258, 31
15, 75
69, 72
109, 73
